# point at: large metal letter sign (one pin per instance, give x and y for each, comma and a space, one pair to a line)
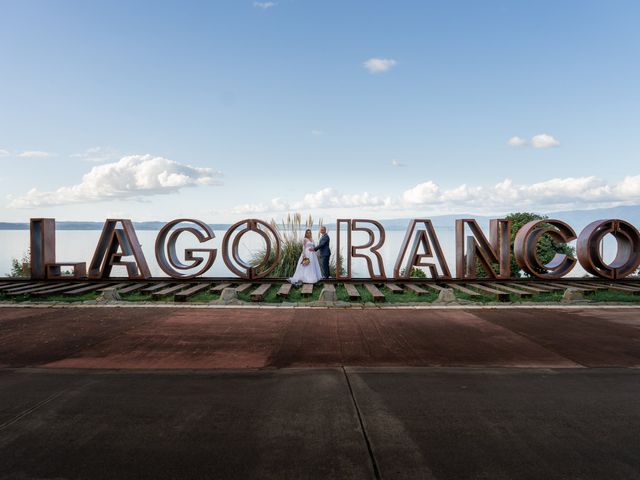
526, 248
114, 244
627, 256
240, 267
352, 250
166, 249
423, 238
43, 246
496, 250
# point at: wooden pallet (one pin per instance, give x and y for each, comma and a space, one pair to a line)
154, 287
514, 291
243, 287
11, 285
284, 290
307, 290
352, 291
394, 288
132, 288
24, 289
435, 287
552, 287
583, 289
463, 289
220, 287
165, 292
117, 286
189, 292
258, 294
528, 288
415, 289
377, 295
43, 292
502, 296
86, 289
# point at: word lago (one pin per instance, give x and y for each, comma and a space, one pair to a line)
119, 245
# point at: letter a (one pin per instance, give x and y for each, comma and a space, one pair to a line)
114, 244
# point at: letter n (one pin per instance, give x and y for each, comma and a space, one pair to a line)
495, 251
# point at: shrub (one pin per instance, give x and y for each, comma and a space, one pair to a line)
21, 267
415, 272
547, 247
291, 234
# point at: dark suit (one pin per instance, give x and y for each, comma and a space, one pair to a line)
325, 253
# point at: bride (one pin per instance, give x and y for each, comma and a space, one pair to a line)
308, 267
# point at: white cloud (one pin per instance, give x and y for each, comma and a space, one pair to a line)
322, 199
316, 132
516, 141
397, 163
544, 140
4, 153
505, 196
96, 155
264, 5
133, 176
35, 154
571, 192
379, 65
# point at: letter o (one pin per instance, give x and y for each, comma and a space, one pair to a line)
236, 263
627, 256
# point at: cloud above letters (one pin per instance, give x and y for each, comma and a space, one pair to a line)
36, 154
131, 177
542, 140
505, 196
379, 65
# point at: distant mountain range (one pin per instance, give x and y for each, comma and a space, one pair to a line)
576, 218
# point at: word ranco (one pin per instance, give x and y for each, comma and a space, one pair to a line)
119, 246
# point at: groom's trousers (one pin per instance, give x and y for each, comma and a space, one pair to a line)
324, 266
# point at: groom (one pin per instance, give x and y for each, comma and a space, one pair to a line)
324, 252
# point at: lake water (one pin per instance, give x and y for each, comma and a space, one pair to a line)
78, 246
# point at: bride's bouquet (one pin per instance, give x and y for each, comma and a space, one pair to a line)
305, 261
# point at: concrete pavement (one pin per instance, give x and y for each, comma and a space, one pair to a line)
304, 424
447, 394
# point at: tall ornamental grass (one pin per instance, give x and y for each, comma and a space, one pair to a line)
291, 232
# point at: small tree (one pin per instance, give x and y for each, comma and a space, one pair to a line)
547, 247
21, 267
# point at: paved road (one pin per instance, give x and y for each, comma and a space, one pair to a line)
242, 338
394, 394
303, 423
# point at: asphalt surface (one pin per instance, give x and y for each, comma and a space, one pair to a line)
292, 423
258, 338
116, 393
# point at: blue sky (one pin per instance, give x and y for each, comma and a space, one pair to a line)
228, 109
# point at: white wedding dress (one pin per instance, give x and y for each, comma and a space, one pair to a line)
310, 273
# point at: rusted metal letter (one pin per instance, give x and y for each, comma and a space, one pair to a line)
43, 246
166, 249
240, 267
627, 256
526, 248
488, 252
353, 225
425, 238
114, 244
43, 252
